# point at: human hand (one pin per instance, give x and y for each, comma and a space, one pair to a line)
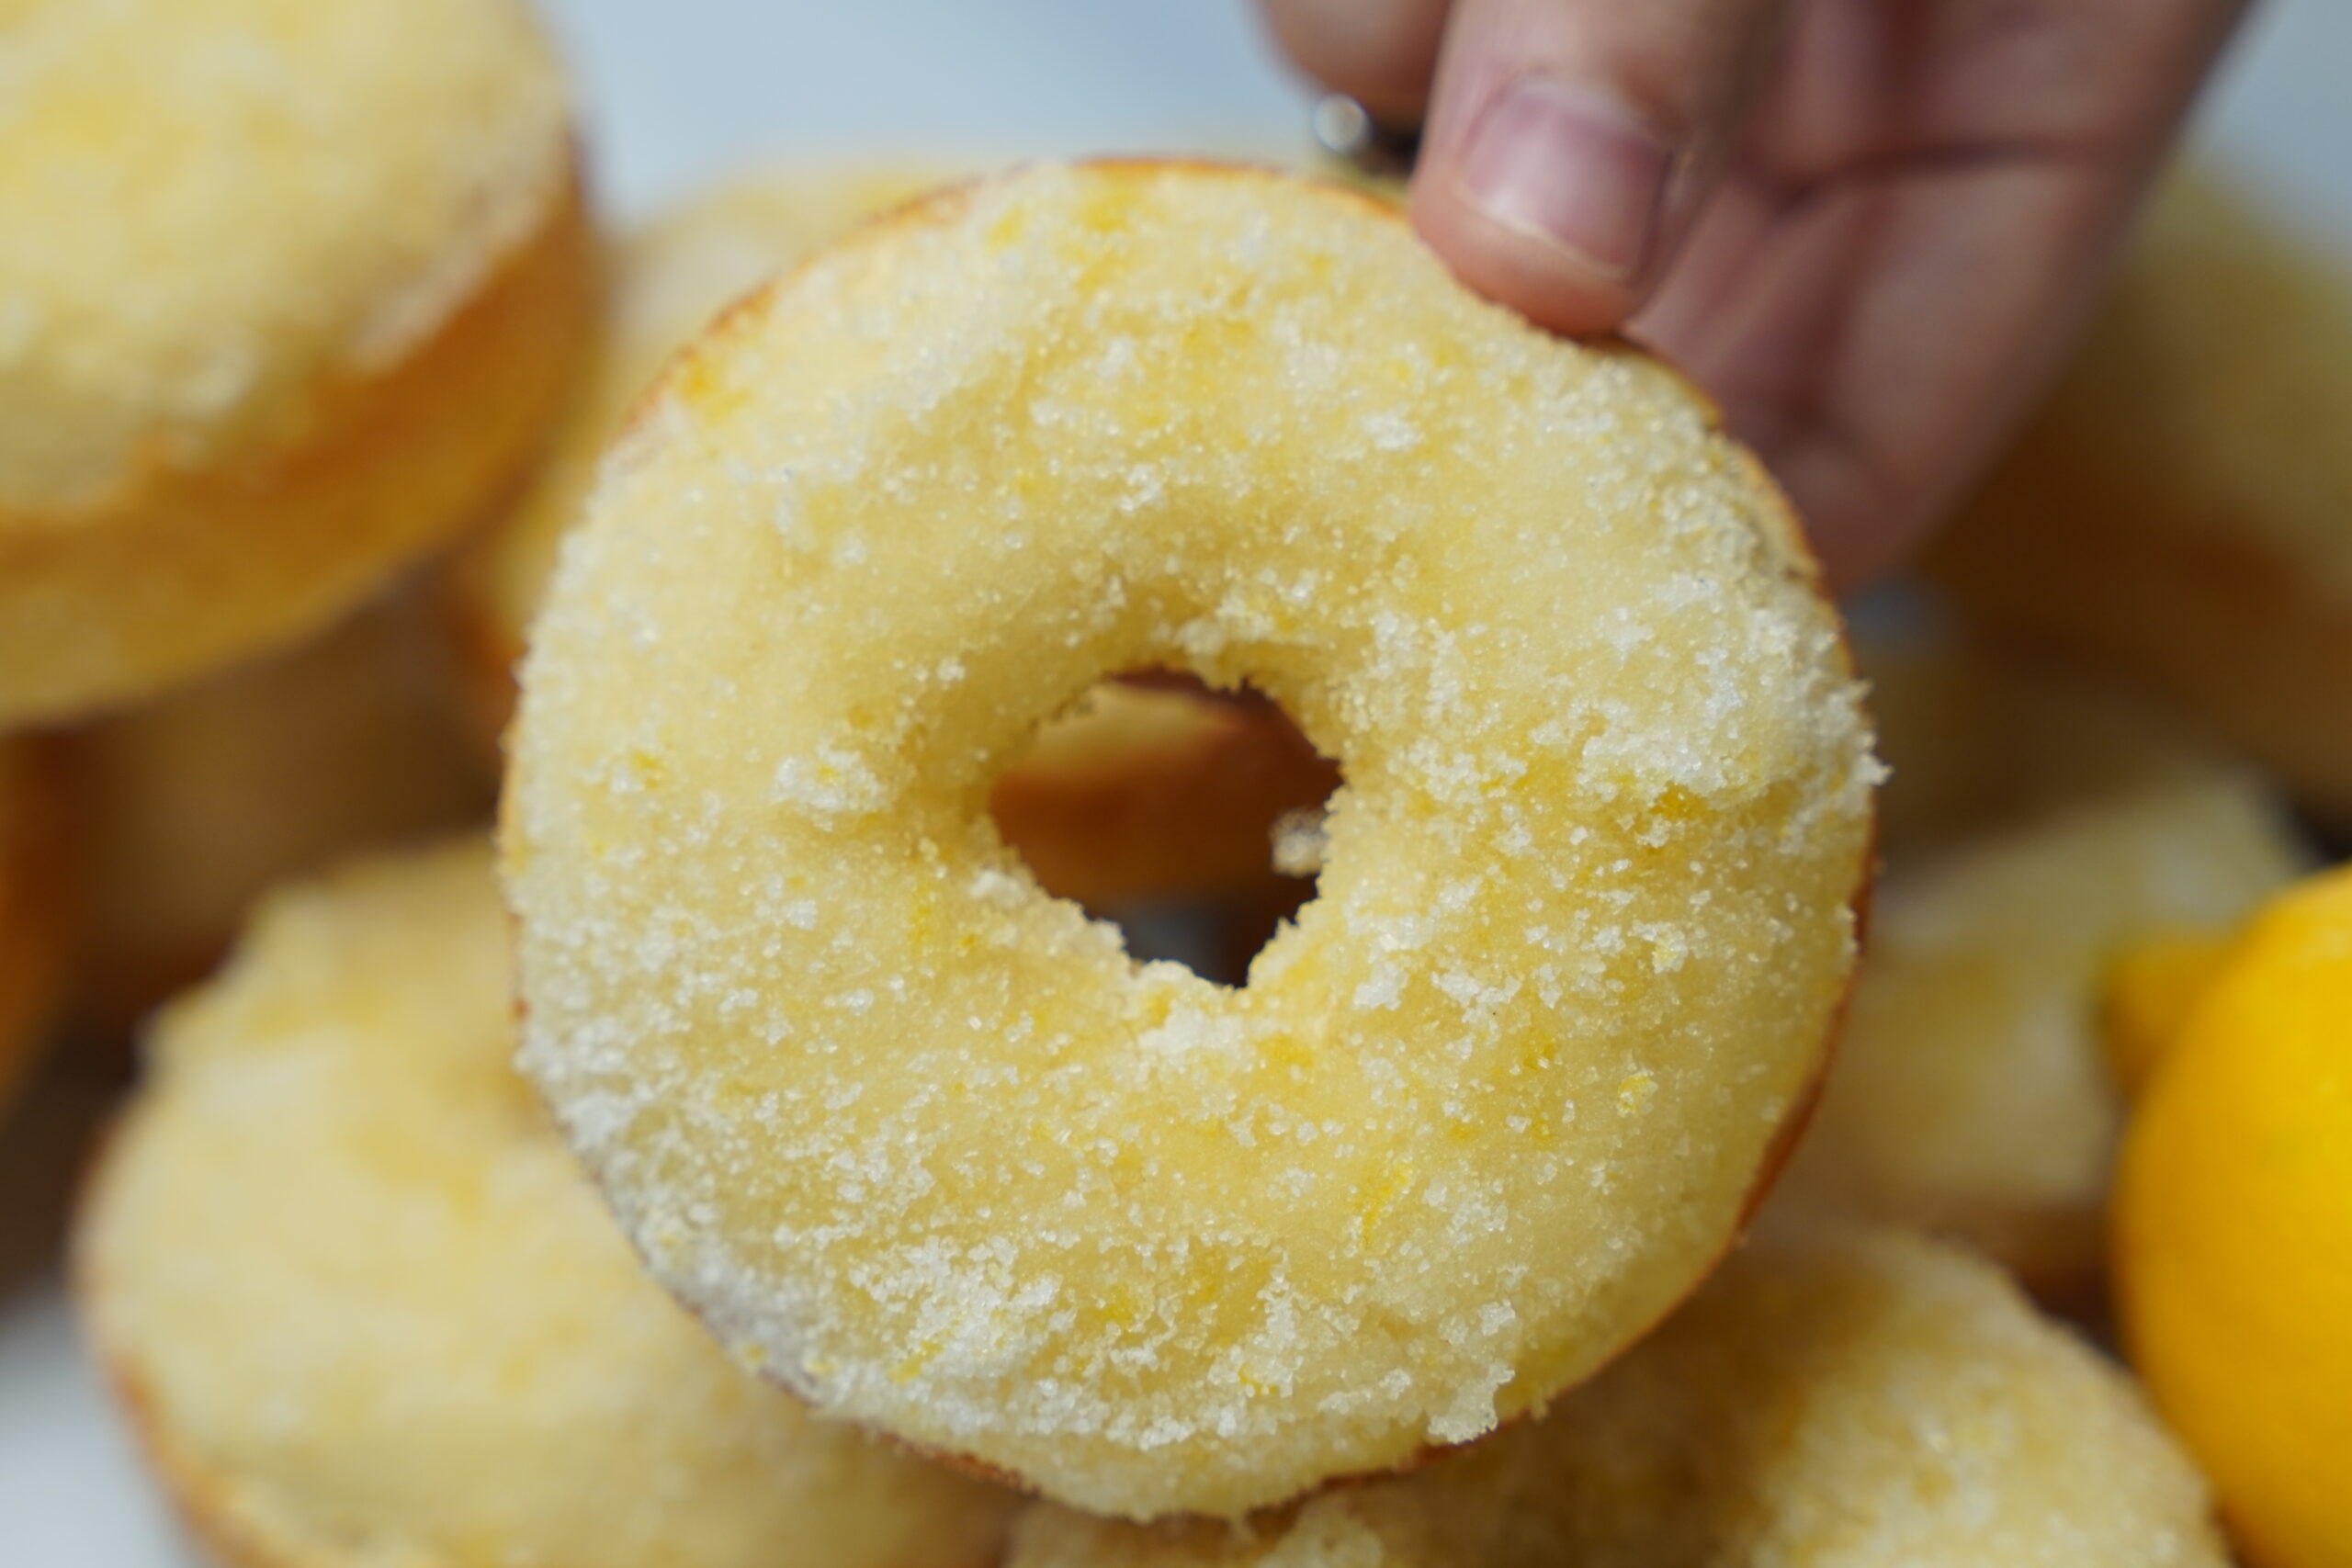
1867, 227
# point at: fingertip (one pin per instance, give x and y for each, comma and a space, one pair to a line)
1555, 289
1380, 52
1552, 201
1572, 141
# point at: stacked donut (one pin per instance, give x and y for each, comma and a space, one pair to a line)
2036, 824
363, 1307
1266, 1237
333, 1184
2179, 513
290, 293
948, 1230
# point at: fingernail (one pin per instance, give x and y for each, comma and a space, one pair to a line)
1570, 168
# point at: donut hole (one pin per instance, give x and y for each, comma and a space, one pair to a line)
1188, 818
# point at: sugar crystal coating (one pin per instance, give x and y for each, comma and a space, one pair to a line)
215, 202
924, 1143
1131, 792
286, 293
367, 1312
669, 277
1833, 1400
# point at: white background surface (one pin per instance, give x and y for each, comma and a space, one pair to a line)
676, 92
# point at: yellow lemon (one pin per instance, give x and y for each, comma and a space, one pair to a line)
2233, 1219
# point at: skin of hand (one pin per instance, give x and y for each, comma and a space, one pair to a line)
1867, 227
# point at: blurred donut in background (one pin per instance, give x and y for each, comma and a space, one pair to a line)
2033, 824
1161, 790
363, 1308
2179, 512
198, 801
290, 292
40, 831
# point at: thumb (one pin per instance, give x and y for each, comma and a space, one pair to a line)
1571, 142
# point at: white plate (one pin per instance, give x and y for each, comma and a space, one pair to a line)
682, 90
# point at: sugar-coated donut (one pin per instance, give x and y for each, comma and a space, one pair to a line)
924, 1143
2034, 824
39, 836
363, 1309
286, 291
2180, 511
667, 278
1840, 1400
200, 800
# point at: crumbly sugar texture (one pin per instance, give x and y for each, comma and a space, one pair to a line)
365, 1310
286, 290
2034, 824
1830, 1399
1129, 792
669, 277
922, 1142
299, 171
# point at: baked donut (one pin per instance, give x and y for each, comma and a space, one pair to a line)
287, 292
38, 840
1130, 793
922, 1142
363, 1309
200, 800
2033, 826
1835, 1400
667, 279
2179, 514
